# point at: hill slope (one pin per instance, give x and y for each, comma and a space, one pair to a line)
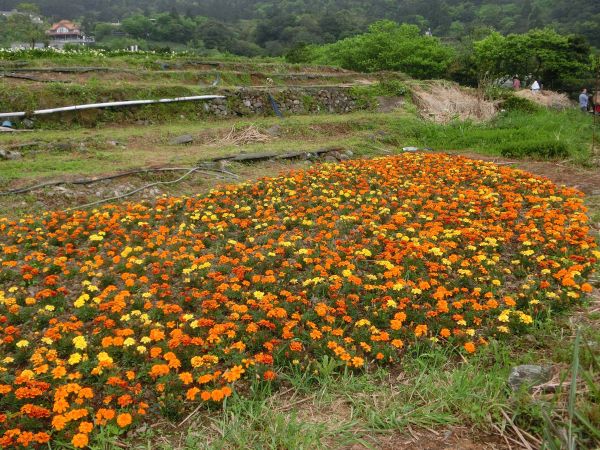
332, 19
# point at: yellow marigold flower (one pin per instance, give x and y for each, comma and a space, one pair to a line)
525, 318
197, 361
436, 251
23, 343
104, 357
28, 374
80, 343
75, 358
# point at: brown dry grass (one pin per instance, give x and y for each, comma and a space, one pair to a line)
549, 99
443, 102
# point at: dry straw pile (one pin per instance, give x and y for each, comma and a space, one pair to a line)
549, 99
443, 103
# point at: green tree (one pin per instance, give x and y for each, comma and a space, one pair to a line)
543, 54
22, 29
389, 46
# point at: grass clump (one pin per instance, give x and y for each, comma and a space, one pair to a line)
514, 103
536, 149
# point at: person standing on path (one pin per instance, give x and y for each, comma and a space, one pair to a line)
516, 83
584, 100
535, 87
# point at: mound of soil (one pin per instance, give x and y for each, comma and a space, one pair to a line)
443, 102
549, 99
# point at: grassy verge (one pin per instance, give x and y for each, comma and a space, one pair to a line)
368, 132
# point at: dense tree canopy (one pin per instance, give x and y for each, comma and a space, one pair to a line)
388, 46
466, 40
541, 53
279, 25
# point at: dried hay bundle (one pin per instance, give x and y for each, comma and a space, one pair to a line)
445, 102
245, 136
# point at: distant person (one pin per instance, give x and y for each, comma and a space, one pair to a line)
584, 100
516, 83
535, 87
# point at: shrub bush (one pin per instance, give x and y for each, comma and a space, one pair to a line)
514, 103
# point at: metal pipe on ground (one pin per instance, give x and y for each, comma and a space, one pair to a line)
110, 105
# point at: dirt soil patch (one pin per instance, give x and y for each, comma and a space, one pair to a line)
444, 102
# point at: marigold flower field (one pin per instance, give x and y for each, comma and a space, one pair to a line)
117, 315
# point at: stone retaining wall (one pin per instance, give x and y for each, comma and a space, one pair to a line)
246, 102
237, 103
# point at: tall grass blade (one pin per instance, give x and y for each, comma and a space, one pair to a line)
573, 390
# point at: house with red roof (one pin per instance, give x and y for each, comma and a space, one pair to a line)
67, 32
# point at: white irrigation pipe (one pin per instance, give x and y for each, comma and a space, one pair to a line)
110, 105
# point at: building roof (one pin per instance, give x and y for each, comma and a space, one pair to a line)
70, 26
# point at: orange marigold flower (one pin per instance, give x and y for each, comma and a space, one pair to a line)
269, 375
470, 347
233, 374
421, 330
86, 427
80, 440
59, 422
191, 393
159, 370
186, 377
217, 395
124, 420
587, 287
